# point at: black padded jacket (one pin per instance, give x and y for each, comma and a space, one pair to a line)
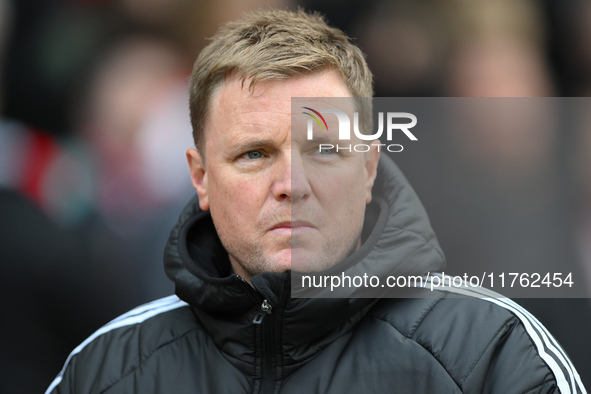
218, 334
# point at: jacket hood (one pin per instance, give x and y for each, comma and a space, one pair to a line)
398, 240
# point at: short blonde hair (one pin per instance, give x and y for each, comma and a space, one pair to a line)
274, 44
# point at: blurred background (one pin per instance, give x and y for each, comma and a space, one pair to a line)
94, 125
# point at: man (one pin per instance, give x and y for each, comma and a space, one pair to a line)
269, 201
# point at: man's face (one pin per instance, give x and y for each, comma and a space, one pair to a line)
277, 202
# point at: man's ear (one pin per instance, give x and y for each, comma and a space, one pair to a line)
198, 177
371, 168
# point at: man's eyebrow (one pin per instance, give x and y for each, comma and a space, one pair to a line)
323, 140
250, 144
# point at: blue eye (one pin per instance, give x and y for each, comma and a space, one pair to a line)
326, 151
254, 154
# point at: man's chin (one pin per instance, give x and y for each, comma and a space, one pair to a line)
281, 261
296, 259
307, 261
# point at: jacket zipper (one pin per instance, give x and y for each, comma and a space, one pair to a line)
265, 310
268, 348
267, 330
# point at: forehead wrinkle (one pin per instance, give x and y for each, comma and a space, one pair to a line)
267, 109
258, 131
246, 126
267, 112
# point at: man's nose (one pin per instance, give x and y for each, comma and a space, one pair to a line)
291, 181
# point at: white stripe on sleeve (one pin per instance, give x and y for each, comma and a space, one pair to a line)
135, 316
